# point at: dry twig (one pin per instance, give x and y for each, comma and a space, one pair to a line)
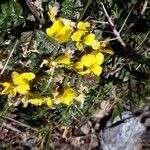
17, 122
144, 7
116, 33
126, 20
9, 57
7, 126
142, 41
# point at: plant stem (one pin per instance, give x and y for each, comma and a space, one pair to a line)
85, 9
9, 57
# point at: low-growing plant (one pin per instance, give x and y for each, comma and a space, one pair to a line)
58, 62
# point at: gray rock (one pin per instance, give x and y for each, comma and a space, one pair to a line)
123, 134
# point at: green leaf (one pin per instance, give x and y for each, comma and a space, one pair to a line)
118, 109
15, 8
47, 45
2, 18
4, 8
10, 16
71, 8
47, 139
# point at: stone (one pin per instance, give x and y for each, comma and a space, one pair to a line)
123, 134
85, 129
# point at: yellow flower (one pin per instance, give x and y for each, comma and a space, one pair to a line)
36, 101
9, 88
40, 101
77, 35
81, 31
102, 46
90, 63
60, 31
67, 96
20, 83
67, 22
96, 45
82, 37
63, 59
81, 68
89, 39
48, 101
105, 48
83, 25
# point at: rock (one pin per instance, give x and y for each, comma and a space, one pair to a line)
104, 109
87, 142
85, 129
30, 142
123, 134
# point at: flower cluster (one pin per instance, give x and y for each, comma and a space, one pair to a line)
66, 97
60, 30
63, 30
85, 57
20, 85
83, 38
90, 63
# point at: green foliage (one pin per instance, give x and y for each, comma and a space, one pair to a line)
117, 110
126, 74
3, 107
85, 9
65, 117
10, 16
47, 135
71, 8
46, 44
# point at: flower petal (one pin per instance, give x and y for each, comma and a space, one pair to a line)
59, 31
7, 88
67, 22
99, 58
27, 76
48, 101
16, 77
23, 88
96, 69
96, 45
77, 35
67, 96
63, 59
88, 59
89, 39
83, 25
36, 101
78, 66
